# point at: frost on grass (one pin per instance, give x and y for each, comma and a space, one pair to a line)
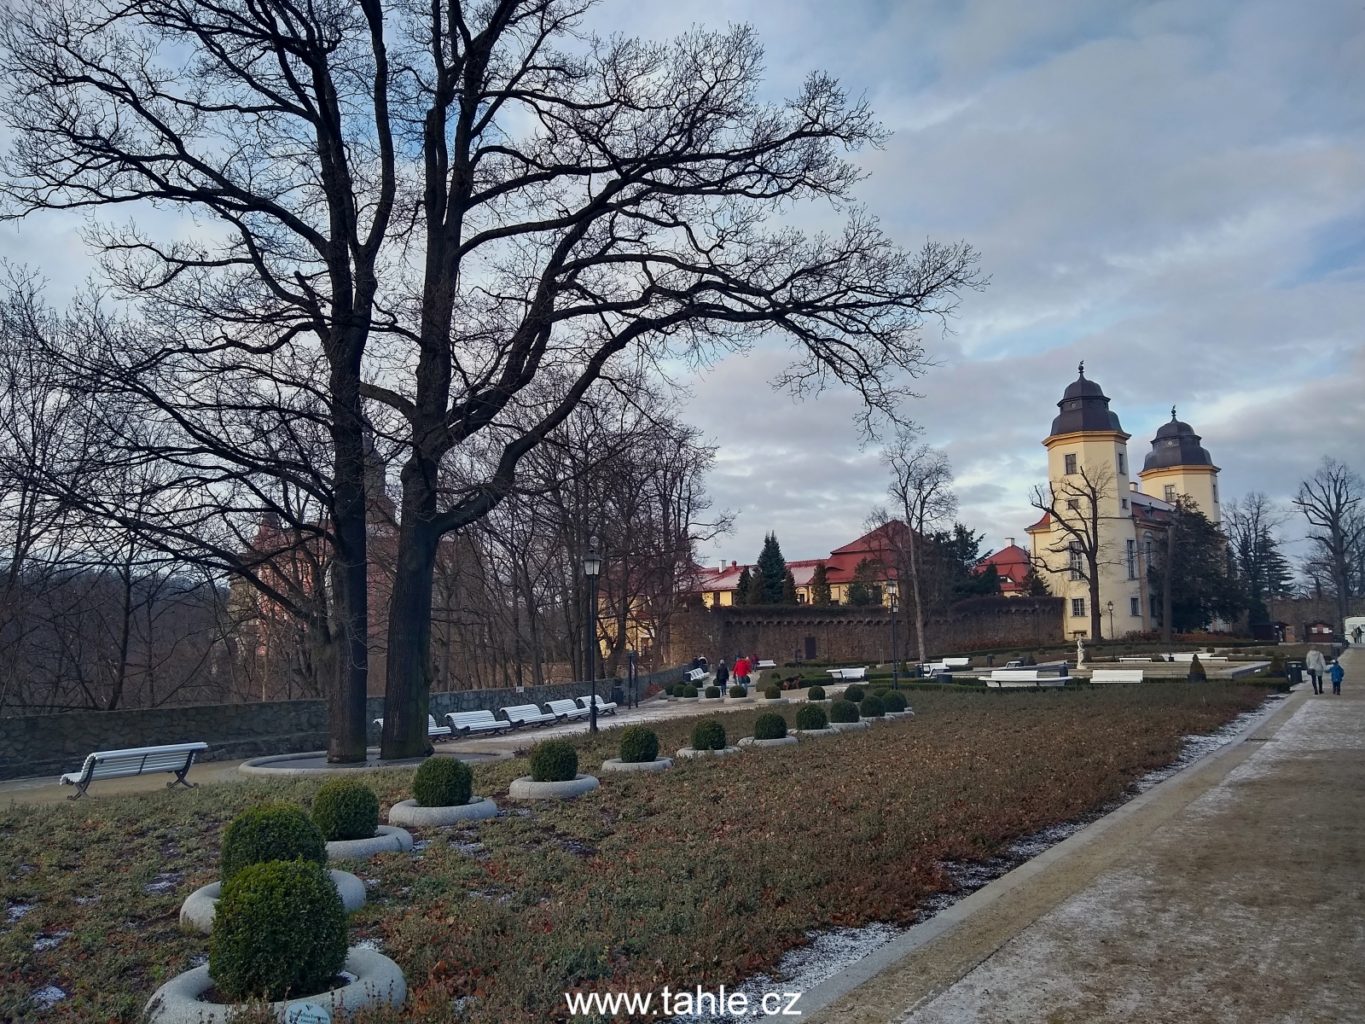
16, 911
47, 997
45, 942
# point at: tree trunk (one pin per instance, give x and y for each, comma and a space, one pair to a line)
918, 605
350, 580
407, 690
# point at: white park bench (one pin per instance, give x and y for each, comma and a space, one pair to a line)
933, 668
121, 764
526, 714
604, 707
1137, 657
848, 673
1009, 678
469, 722
697, 676
434, 731
956, 663
566, 709
1116, 675
766, 663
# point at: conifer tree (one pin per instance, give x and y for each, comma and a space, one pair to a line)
789, 589
819, 586
770, 573
744, 588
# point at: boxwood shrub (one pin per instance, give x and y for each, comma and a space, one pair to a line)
843, 711
895, 701
442, 782
279, 931
554, 761
738, 691
689, 691
872, 707
271, 832
346, 809
773, 692
815, 693
854, 693
708, 735
811, 716
712, 692
770, 726
639, 745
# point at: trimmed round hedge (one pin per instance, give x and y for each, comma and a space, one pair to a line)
442, 782
811, 717
843, 711
346, 809
815, 693
271, 832
770, 726
689, 691
639, 745
773, 692
708, 735
279, 931
738, 691
895, 701
554, 761
854, 693
872, 707
713, 692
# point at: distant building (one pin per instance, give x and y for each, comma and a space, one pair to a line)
1087, 449
1011, 566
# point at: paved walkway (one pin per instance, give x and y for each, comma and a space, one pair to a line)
1233, 893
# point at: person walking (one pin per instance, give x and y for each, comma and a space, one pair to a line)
1317, 668
742, 671
722, 676
1337, 674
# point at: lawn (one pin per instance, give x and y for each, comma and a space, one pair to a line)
701, 875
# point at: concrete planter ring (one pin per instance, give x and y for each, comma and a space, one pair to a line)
527, 788
900, 714
689, 752
739, 700
815, 733
410, 812
388, 839
200, 906
372, 980
784, 741
857, 726
615, 764
776, 700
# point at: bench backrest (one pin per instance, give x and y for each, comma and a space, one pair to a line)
587, 702
957, 662
464, 719
696, 675
564, 707
523, 712
114, 764
1116, 675
1020, 674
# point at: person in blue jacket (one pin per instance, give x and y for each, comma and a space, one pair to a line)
1336, 673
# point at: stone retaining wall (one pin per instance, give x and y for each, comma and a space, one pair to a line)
37, 745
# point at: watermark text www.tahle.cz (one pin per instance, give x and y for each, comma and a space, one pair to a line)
697, 1002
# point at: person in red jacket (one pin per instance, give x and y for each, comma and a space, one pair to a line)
742, 671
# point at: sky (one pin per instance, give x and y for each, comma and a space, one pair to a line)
1170, 191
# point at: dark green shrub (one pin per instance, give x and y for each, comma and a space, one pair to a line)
895, 701
443, 782
271, 832
708, 735
854, 693
1276, 665
738, 691
689, 691
554, 761
773, 692
770, 726
279, 930
713, 692
815, 693
775, 677
811, 716
1197, 672
639, 744
346, 809
843, 711
872, 707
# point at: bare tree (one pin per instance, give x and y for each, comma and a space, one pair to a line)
1250, 523
921, 489
1074, 505
1331, 501
537, 204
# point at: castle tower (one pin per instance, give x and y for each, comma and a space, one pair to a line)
1177, 464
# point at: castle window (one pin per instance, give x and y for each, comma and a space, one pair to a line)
1073, 504
1075, 559
1132, 559
1170, 493
1078, 607
1123, 503
1134, 607
1215, 492
1123, 468
1070, 464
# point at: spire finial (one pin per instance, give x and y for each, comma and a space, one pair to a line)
1081, 369
1172, 414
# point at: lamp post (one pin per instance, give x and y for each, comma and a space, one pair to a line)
1111, 620
895, 664
592, 565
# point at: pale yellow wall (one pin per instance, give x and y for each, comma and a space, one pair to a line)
1199, 482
